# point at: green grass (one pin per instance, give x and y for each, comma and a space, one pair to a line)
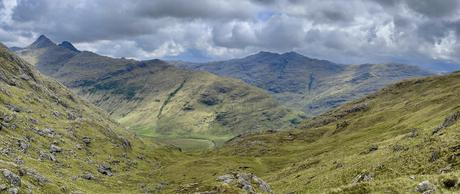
187, 144
192, 143
146, 132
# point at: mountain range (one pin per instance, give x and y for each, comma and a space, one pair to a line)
155, 98
305, 84
180, 100
400, 139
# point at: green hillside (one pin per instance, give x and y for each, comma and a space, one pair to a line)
388, 142
159, 100
54, 142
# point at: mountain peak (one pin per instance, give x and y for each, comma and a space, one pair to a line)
266, 53
42, 42
262, 55
68, 45
291, 53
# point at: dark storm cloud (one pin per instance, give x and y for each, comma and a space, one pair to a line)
282, 33
106, 19
100, 20
432, 30
434, 8
354, 31
30, 10
264, 2
330, 15
428, 8
388, 2
208, 9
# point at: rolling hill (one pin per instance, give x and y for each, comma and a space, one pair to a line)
157, 99
305, 84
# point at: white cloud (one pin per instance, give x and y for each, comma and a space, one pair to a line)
445, 47
6, 11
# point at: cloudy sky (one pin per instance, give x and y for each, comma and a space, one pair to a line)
425, 32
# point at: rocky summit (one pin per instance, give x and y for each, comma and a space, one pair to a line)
41, 42
69, 46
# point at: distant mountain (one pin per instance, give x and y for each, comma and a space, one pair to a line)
69, 46
15, 48
46, 55
158, 99
41, 42
309, 85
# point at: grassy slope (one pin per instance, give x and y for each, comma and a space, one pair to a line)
39, 98
324, 159
172, 103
